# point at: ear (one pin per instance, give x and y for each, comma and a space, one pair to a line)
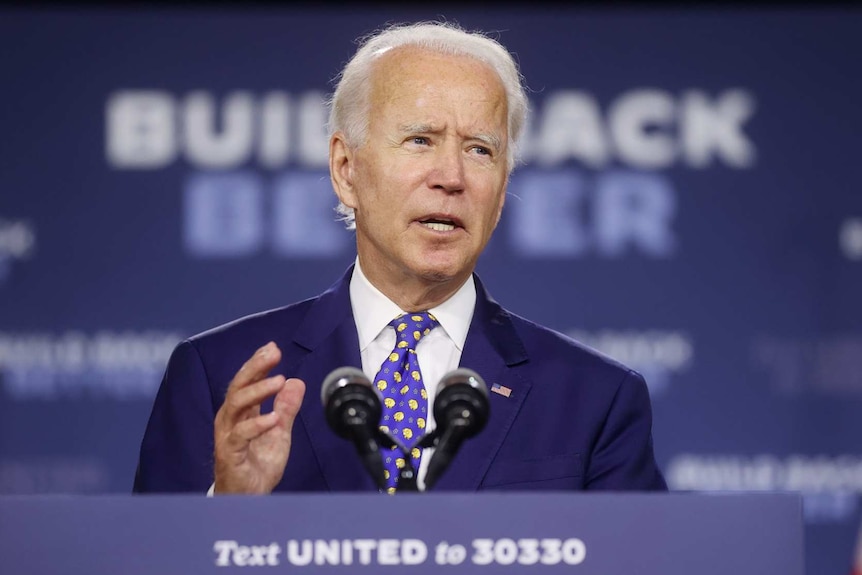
341, 160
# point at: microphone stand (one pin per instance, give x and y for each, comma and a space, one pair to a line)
407, 474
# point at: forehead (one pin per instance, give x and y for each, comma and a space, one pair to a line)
414, 79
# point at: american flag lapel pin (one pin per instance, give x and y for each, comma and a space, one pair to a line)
501, 389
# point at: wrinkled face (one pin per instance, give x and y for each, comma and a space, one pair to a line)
429, 183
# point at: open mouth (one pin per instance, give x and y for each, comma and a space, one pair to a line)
440, 224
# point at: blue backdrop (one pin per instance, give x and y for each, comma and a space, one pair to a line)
688, 202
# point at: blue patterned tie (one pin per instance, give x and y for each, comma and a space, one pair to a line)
405, 401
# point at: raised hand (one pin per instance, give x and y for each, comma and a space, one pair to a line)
251, 449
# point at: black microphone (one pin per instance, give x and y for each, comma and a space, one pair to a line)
461, 410
353, 410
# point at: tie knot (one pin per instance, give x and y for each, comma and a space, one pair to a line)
411, 327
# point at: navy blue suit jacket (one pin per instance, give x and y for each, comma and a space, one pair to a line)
574, 419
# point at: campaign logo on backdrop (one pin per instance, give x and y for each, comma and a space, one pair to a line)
658, 355
830, 484
826, 365
592, 183
49, 366
17, 243
54, 474
850, 238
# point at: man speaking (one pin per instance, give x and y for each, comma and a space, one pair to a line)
424, 122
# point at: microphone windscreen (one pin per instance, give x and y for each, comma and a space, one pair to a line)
465, 376
461, 409
462, 396
340, 378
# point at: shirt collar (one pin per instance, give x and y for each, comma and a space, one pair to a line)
372, 311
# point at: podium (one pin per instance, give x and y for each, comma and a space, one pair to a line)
422, 533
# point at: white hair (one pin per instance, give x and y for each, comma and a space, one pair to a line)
350, 104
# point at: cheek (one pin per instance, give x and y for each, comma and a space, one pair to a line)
492, 206
381, 182
365, 190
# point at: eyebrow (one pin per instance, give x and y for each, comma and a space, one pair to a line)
490, 140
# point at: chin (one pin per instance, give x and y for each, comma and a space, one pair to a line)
437, 276
441, 271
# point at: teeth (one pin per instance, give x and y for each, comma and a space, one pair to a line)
439, 227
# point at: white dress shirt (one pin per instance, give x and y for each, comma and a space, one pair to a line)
438, 353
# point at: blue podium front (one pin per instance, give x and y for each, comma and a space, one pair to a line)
584, 534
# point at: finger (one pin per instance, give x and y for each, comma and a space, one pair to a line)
257, 366
244, 402
288, 401
246, 431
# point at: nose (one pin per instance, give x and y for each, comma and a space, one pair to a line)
447, 173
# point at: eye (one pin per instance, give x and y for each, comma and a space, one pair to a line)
482, 151
419, 140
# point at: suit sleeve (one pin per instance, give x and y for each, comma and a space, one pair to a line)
623, 457
177, 449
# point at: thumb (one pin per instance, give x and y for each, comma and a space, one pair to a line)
288, 401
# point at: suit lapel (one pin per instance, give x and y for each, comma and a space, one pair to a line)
492, 349
328, 337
